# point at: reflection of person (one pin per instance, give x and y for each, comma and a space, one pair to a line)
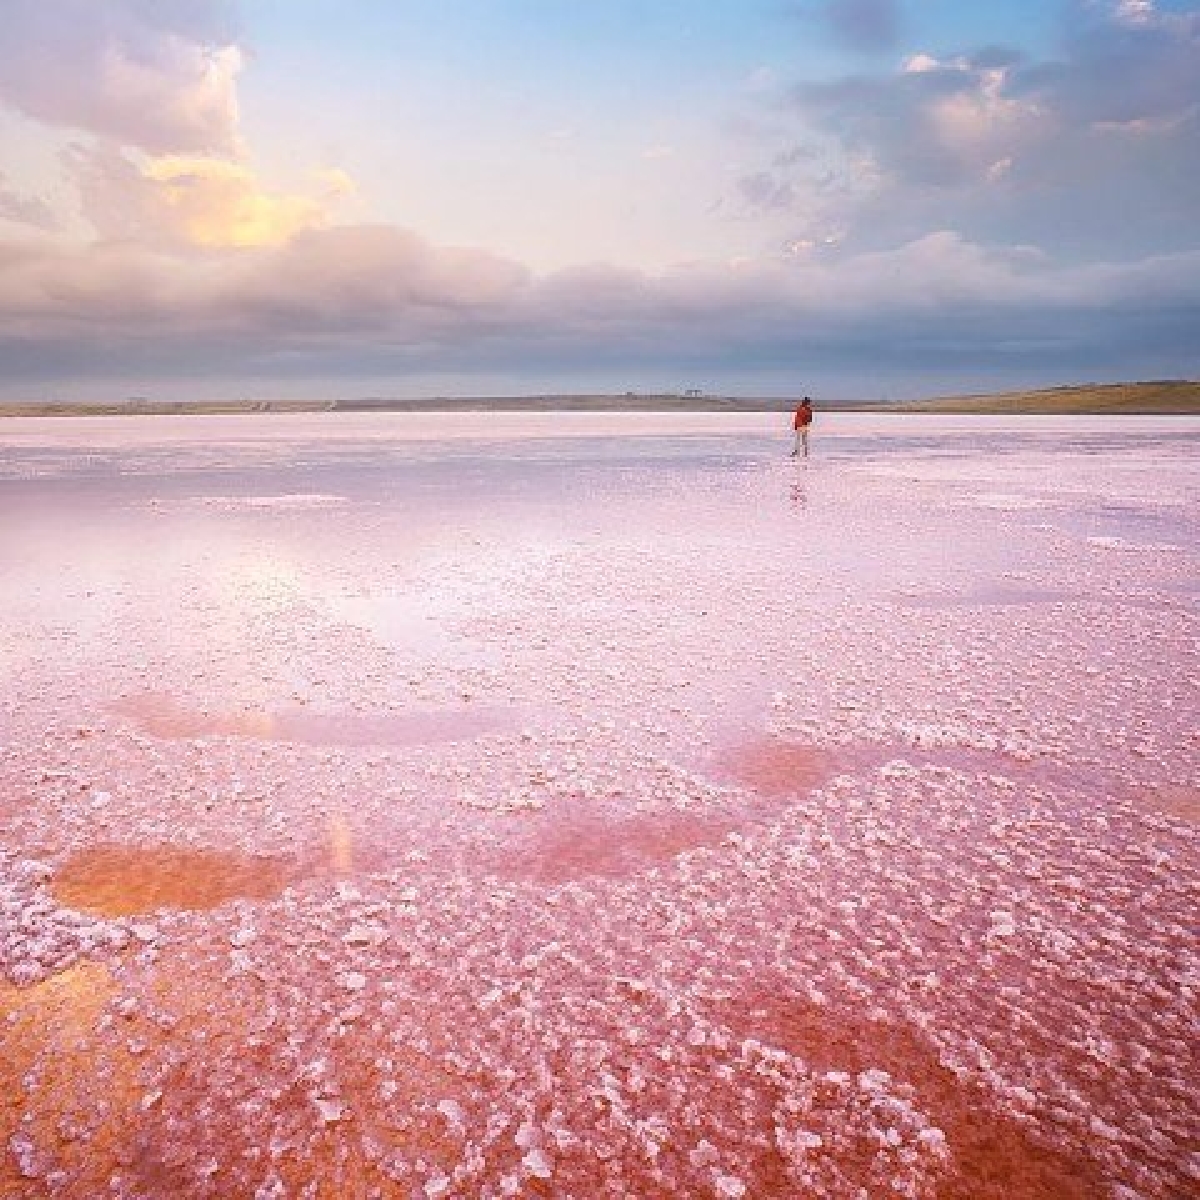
803, 419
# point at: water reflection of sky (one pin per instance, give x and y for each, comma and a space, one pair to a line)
154, 445
473, 472
368, 520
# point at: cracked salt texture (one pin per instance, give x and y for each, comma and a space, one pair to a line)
598, 808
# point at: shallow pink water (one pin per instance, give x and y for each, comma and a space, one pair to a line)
610, 811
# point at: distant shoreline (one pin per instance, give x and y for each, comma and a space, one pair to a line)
438, 404
1168, 397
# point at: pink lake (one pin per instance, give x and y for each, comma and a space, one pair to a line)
599, 806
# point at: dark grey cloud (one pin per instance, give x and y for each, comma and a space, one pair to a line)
864, 25
1096, 152
762, 190
372, 301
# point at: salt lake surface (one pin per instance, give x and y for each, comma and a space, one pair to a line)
581, 806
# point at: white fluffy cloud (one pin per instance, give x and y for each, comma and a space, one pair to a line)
160, 75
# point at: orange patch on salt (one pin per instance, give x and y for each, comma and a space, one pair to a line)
575, 844
65, 1116
119, 881
164, 1084
774, 767
341, 845
1173, 799
573, 841
992, 1157
164, 717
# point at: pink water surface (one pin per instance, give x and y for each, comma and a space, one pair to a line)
594, 806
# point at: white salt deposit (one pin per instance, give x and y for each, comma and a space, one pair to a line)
598, 808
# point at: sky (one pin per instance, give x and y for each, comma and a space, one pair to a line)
851, 198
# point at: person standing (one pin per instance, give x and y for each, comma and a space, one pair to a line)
803, 419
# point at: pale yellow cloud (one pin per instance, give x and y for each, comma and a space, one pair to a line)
215, 202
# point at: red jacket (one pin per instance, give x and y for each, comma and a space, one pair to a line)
803, 416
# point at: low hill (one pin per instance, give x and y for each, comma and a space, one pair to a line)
1165, 396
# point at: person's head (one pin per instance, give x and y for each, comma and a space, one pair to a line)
808, 401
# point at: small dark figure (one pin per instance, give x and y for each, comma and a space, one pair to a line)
803, 419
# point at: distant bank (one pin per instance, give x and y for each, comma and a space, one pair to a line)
620, 402
1095, 399
1167, 396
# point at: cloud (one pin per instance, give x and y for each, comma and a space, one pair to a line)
353, 281
158, 76
865, 25
913, 205
211, 202
1135, 12
373, 281
762, 190
197, 202
373, 300
25, 210
1094, 152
